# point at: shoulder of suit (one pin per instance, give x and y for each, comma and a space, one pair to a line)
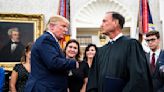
162, 51
161, 56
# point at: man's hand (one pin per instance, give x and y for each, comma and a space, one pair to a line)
77, 64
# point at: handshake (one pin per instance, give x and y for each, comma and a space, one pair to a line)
70, 73
77, 62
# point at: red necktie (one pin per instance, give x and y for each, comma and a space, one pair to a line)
153, 61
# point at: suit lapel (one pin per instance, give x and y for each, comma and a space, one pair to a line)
159, 62
150, 67
51, 38
148, 57
54, 42
160, 58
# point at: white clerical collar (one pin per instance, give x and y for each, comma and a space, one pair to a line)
118, 36
52, 35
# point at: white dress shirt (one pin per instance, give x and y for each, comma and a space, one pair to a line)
114, 39
157, 52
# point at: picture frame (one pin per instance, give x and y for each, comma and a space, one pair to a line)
30, 27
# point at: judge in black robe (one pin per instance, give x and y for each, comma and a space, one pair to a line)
119, 66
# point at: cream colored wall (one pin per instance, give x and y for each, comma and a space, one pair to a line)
46, 7
161, 3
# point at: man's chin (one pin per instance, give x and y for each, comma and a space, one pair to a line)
60, 38
71, 57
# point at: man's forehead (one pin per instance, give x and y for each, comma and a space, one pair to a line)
15, 32
61, 22
151, 36
106, 17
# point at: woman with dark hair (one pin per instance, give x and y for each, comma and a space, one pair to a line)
21, 71
77, 78
89, 53
72, 46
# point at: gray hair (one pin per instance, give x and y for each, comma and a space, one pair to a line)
14, 29
55, 19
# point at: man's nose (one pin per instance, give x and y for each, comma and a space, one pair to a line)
66, 29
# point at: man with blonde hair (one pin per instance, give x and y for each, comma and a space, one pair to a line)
49, 65
12, 51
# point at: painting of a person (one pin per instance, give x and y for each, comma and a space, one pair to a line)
12, 51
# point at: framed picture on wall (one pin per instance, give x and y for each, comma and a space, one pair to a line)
16, 31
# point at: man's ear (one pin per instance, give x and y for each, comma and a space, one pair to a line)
51, 27
116, 23
158, 40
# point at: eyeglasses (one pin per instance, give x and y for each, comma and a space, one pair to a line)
150, 40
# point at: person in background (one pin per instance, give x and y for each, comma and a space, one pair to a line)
2, 78
13, 50
89, 54
120, 65
49, 66
156, 60
21, 71
77, 78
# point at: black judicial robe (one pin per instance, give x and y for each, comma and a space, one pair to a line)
120, 67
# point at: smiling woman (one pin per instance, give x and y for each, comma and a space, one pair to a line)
77, 79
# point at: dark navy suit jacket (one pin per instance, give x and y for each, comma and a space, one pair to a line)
157, 76
48, 66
